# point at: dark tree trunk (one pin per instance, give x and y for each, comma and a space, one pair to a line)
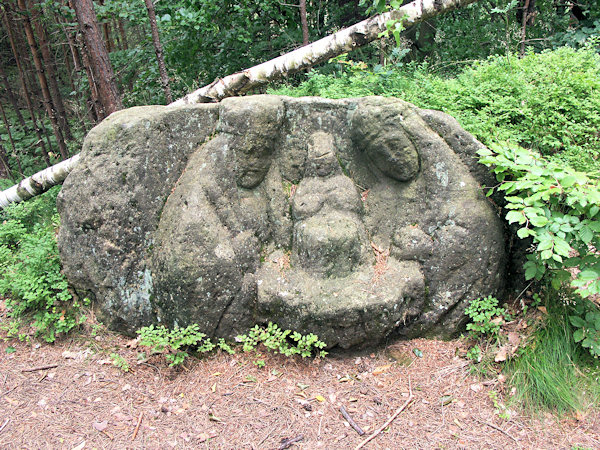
12, 98
99, 62
50, 67
43, 83
124, 44
95, 108
304, 22
10, 138
5, 171
22, 79
164, 76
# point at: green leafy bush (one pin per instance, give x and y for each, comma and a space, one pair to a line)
30, 276
557, 207
585, 318
483, 313
549, 102
177, 343
286, 342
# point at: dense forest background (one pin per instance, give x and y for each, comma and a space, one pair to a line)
65, 65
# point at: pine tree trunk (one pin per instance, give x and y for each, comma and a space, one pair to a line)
164, 76
5, 171
10, 138
12, 98
22, 79
123, 34
304, 22
50, 67
99, 62
43, 83
94, 104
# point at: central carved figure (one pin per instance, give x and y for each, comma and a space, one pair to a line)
351, 219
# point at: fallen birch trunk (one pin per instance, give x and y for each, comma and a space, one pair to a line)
300, 59
38, 183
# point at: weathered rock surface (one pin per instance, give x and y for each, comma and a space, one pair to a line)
352, 219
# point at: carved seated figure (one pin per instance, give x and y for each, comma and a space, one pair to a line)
333, 272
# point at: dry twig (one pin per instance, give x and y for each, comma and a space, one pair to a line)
491, 425
4, 425
352, 423
35, 369
137, 427
287, 443
408, 401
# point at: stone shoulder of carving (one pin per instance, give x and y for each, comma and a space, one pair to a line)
460, 141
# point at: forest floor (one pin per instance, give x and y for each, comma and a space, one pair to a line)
226, 401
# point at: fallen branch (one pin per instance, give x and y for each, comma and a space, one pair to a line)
137, 427
287, 443
35, 369
491, 425
352, 423
406, 404
4, 425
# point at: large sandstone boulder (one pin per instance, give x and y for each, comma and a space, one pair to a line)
353, 219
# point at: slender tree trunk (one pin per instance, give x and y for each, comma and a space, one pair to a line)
22, 79
106, 31
104, 77
304, 22
50, 68
125, 45
524, 27
11, 97
43, 83
10, 138
94, 104
5, 171
7, 126
164, 76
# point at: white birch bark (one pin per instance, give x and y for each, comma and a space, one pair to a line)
38, 183
302, 58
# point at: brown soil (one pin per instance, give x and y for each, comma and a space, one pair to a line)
227, 402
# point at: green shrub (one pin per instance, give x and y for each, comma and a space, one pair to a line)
558, 208
30, 276
549, 102
178, 342
286, 342
484, 314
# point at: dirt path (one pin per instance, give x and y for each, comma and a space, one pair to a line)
227, 402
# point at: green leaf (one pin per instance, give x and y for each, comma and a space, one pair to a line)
586, 234
587, 275
577, 321
546, 254
525, 232
515, 216
578, 335
530, 272
567, 181
538, 221
10, 349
